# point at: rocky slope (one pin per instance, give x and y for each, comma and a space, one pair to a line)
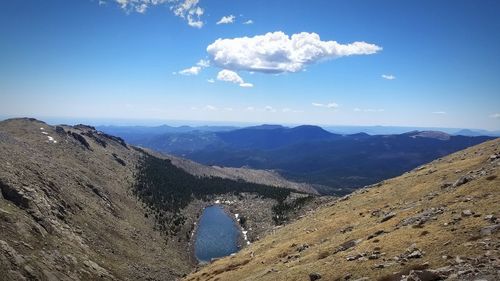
70, 207
66, 211
439, 221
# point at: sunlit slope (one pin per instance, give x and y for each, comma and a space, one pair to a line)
440, 217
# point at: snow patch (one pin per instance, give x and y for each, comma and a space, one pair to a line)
51, 139
45, 133
245, 237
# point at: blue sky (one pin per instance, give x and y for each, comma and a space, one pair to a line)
125, 59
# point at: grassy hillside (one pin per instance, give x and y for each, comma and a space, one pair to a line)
439, 220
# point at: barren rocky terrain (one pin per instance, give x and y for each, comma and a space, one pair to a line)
439, 221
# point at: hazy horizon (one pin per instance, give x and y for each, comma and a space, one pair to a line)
370, 129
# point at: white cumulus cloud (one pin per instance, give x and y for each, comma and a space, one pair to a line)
229, 76
233, 77
248, 22
276, 52
388, 76
226, 20
326, 105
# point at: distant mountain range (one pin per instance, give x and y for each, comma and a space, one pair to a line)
390, 130
341, 130
334, 163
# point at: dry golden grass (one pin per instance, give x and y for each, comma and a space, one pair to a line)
275, 257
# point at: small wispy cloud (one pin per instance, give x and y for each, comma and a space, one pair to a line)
226, 20
211, 80
250, 108
248, 22
203, 63
332, 105
194, 70
289, 110
368, 110
495, 115
246, 85
269, 108
439, 112
188, 10
388, 76
210, 107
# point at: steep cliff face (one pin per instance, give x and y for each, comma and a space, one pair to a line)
436, 222
78, 204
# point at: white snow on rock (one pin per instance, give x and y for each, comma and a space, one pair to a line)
245, 237
45, 133
51, 139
